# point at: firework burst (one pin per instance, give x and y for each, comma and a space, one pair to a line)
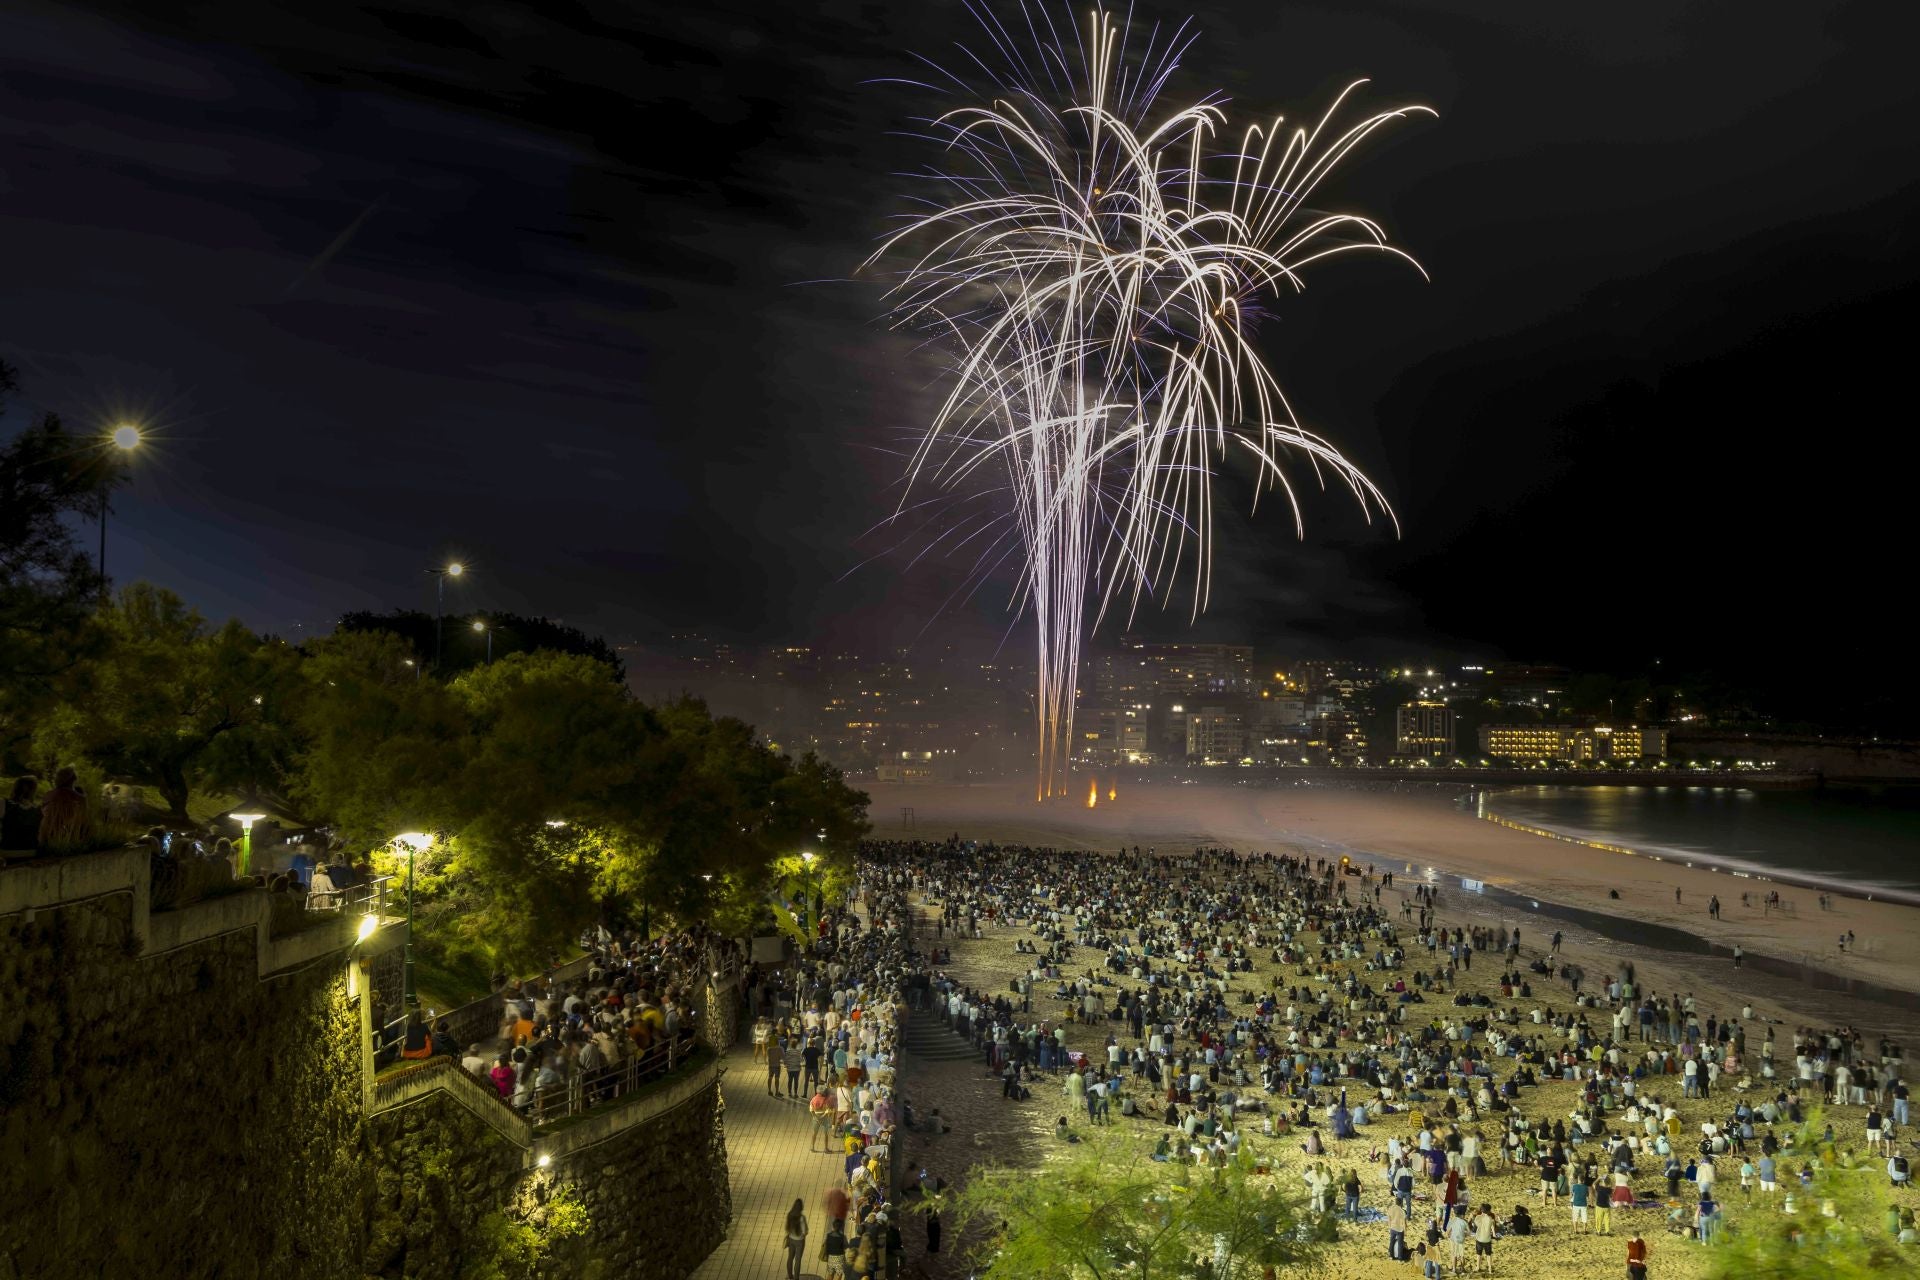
1090, 260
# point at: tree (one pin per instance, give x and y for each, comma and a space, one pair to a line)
462, 648
560, 798
1845, 1227
556, 790
49, 585
165, 692
376, 745
1106, 1211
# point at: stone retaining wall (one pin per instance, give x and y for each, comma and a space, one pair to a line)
176, 1112
185, 1092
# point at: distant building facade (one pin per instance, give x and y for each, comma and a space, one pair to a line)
1338, 737
1216, 735
1423, 731
1531, 742
1112, 735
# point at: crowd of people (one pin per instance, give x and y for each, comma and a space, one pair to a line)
1318, 1005
565, 1045
58, 822
827, 1029
188, 860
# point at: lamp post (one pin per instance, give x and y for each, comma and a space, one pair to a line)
452, 569
479, 624
246, 821
806, 913
413, 842
125, 438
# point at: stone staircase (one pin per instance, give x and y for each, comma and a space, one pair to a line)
926, 1038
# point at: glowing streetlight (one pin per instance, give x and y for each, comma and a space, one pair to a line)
479, 624
413, 842
369, 925
452, 569
246, 821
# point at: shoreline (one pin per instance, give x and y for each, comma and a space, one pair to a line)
1713, 862
1429, 832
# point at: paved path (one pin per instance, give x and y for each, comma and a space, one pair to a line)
769, 1165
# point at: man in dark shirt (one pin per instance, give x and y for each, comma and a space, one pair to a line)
811, 1055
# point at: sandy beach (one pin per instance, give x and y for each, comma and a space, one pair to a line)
1421, 830
985, 1128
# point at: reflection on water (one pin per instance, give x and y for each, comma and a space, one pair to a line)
1860, 838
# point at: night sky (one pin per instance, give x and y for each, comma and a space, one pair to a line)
566, 290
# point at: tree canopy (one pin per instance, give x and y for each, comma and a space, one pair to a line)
462, 647
1846, 1225
1105, 1210
48, 583
562, 799
556, 798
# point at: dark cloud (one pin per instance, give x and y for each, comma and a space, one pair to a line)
594, 326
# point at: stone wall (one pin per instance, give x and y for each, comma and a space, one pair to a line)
657, 1193
187, 1093
174, 1113
439, 1171
654, 1193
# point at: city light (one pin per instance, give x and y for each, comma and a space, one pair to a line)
126, 437
369, 924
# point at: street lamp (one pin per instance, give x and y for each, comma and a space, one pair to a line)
413, 842
480, 625
246, 821
452, 569
806, 913
125, 438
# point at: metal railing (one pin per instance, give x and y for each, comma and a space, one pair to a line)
357, 899
615, 1080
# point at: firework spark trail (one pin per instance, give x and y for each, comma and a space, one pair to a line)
1090, 268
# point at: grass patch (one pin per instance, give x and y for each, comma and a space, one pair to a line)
448, 981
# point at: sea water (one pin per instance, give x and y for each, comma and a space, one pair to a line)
1858, 839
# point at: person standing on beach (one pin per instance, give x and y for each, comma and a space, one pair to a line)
1636, 1258
1483, 1224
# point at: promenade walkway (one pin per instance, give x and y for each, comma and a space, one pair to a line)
769, 1165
